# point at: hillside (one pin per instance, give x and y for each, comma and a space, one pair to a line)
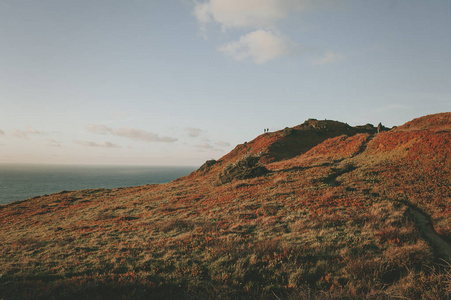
318, 211
291, 142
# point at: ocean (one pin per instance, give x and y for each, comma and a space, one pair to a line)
20, 182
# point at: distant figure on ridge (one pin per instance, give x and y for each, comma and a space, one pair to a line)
379, 127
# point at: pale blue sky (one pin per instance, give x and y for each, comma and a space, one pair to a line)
177, 82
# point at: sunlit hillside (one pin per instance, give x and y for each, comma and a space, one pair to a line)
318, 211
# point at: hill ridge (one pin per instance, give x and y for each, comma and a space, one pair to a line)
290, 142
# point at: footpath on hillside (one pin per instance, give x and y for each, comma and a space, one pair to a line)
441, 246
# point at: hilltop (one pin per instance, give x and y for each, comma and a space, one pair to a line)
291, 142
319, 210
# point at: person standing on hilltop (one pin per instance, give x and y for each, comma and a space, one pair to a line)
379, 127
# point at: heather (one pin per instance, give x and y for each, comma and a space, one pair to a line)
322, 210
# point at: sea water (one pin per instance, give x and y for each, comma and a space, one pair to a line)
20, 182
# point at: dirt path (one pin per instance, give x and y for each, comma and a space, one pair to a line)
441, 246
365, 144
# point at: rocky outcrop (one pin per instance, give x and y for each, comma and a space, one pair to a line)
247, 167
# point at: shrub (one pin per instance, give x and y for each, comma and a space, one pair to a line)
247, 167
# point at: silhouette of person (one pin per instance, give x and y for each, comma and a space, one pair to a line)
379, 127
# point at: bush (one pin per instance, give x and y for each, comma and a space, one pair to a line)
247, 167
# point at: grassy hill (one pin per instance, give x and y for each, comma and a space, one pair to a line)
318, 211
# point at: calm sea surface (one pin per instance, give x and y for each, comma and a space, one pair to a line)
20, 182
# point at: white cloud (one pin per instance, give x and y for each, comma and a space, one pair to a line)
131, 133
54, 143
97, 145
328, 58
260, 46
262, 16
98, 128
248, 13
193, 132
223, 144
204, 146
142, 135
25, 133
207, 146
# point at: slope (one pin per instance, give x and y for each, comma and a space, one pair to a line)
331, 219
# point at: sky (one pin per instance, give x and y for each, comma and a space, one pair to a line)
179, 82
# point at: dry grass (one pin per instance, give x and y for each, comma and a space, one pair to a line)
317, 226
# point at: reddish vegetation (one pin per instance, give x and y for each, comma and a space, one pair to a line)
327, 215
437, 122
291, 142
